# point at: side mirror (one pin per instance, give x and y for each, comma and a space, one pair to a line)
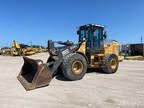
105, 35
78, 32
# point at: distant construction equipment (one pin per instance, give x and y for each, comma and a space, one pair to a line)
21, 49
133, 49
5, 51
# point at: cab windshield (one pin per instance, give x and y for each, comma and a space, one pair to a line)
94, 37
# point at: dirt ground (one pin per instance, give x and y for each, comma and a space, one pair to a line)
124, 89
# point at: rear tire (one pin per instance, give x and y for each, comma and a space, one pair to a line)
74, 66
111, 64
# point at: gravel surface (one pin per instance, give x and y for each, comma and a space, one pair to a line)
124, 89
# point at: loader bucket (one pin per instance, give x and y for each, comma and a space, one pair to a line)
34, 74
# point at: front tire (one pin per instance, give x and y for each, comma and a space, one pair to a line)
111, 64
74, 66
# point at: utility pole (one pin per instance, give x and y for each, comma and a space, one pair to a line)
142, 44
31, 44
141, 39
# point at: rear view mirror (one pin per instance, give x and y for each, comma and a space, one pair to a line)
105, 34
78, 32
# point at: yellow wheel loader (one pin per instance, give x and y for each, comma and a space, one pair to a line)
92, 51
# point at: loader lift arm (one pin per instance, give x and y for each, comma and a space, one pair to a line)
57, 53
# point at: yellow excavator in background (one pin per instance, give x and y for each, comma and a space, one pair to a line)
21, 49
16, 49
91, 51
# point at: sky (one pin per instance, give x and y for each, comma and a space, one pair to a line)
36, 21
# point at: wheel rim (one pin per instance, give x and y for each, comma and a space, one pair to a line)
113, 63
77, 67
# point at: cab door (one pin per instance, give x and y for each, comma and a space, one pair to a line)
97, 40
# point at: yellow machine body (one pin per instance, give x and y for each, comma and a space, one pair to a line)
96, 60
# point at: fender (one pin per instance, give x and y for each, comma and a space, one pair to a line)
84, 56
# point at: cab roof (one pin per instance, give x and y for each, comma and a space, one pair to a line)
91, 25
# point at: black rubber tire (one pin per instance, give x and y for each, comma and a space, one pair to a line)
106, 67
67, 66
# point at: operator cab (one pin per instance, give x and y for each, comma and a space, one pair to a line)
94, 35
